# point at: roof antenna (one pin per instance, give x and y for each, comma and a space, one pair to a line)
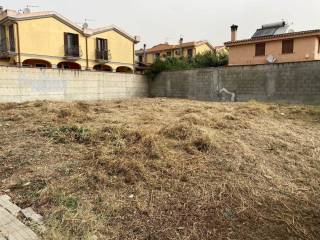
27, 9
181, 39
85, 25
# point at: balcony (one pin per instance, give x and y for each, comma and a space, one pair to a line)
72, 53
102, 56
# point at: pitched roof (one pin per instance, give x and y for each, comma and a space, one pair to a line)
315, 32
13, 15
166, 46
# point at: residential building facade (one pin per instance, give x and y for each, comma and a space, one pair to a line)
49, 40
166, 50
274, 43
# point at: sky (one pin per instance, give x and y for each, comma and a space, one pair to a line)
159, 21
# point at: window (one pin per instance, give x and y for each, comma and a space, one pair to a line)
102, 49
71, 44
190, 53
260, 49
11, 39
3, 41
157, 55
287, 46
168, 54
178, 52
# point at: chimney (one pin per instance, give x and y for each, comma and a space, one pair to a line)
144, 53
234, 33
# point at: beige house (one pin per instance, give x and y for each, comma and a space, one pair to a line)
274, 43
166, 50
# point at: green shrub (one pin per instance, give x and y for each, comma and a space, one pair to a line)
207, 59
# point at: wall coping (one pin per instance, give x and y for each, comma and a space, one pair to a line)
245, 66
67, 70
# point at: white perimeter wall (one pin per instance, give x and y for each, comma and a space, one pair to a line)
29, 84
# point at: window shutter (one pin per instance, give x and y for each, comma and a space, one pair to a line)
77, 49
66, 44
3, 38
97, 44
287, 46
12, 39
97, 48
260, 49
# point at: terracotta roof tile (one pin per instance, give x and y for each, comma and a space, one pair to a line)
166, 46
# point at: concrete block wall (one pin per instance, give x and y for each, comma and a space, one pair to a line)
289, 82
29, 84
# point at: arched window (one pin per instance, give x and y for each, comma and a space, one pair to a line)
102, 67
124, 69
69, 65
36, 63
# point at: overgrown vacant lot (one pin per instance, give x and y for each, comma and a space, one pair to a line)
164, 169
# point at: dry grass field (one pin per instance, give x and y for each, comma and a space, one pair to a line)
164, 169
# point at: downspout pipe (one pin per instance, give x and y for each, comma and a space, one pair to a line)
18, 44
134, 59
87, 54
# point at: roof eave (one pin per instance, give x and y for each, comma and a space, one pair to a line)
273, 38
211, 46
71, 25
116, 29
19, 19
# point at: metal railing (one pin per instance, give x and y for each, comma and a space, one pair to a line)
72, 51
102, 54
7, 45
3, 46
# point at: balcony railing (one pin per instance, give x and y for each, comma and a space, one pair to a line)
3, 46
7, 47
72, 52
102, 55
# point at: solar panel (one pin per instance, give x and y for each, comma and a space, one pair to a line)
264, 32
270, 30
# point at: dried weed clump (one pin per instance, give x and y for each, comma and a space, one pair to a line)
67, 133
164, 169
128, 142
190, 136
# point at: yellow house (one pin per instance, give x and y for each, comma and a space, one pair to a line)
165, 50
49, 40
